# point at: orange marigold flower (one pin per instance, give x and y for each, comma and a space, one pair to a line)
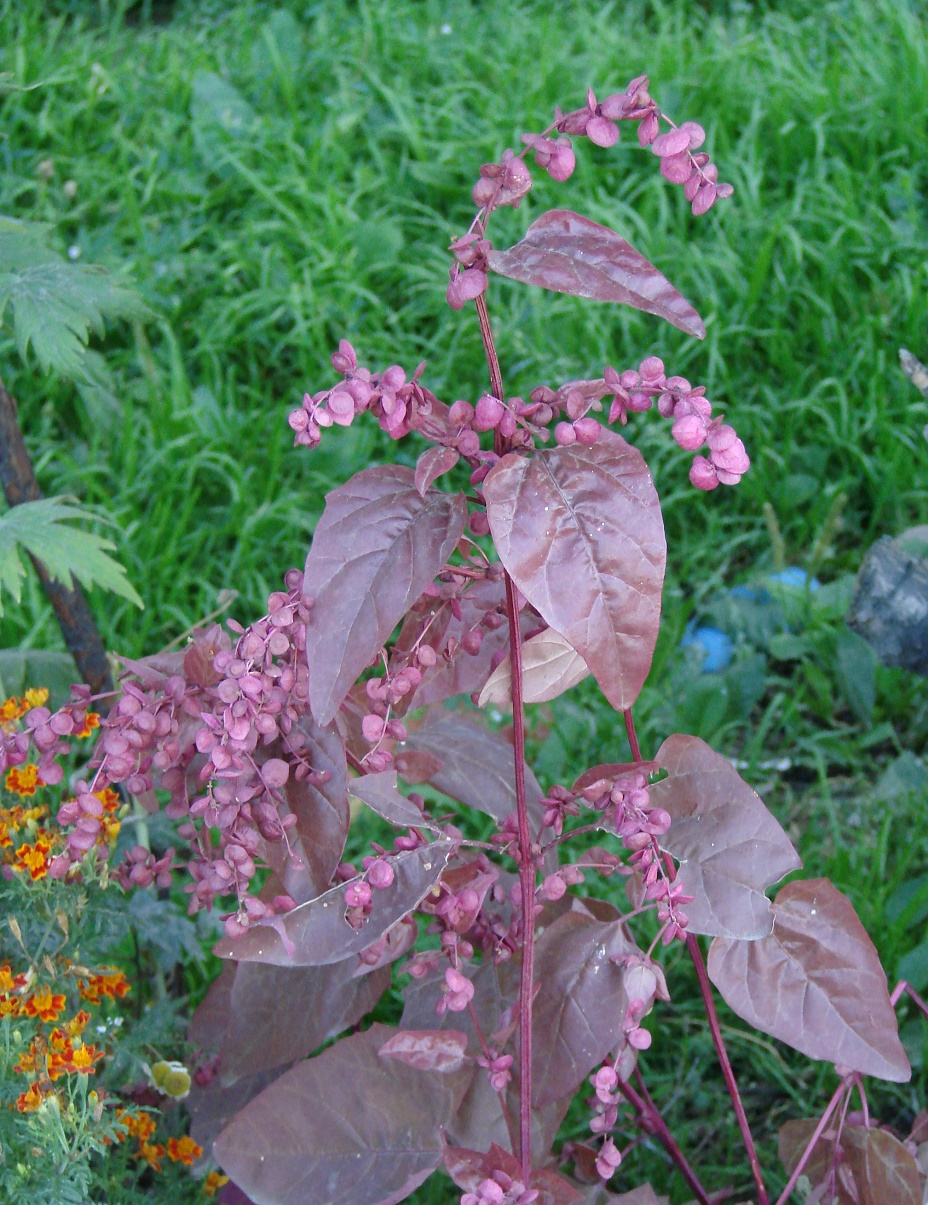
83, 1059
113, 983
45, 1004
152, 1153
28, 1102
108, 798
77, 1024
184, 1150
110, 981
34, 858
23, 780
91, 721
9, 1006
139, 1125
26, 1064
213, 1182
8, 981
35, 697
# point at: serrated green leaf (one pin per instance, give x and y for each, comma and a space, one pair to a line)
65, 551
23, 245
56, 305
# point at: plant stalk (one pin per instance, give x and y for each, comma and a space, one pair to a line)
652, 1120
70, 606
727, 1071
527, 876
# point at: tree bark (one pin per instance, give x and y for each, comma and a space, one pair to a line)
70, 606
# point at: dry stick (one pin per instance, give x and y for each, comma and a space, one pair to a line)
71, 610
730, 1082
652, 1119
526, 864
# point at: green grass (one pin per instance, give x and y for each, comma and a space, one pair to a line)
325, 213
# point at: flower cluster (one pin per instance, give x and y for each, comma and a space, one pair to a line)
522, 423
598, 121
501, 1189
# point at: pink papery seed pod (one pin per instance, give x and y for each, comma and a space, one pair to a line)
677, 168
703, 474
587, 431
689, 431
488, 413
565, 435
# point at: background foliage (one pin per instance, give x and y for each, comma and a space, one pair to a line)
273, 177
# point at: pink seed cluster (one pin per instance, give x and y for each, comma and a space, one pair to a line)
501, 1189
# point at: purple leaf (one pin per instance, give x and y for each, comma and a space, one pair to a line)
381, 794
231, 1194
321, 810
496, 987
318, 931
378, 544
468, 1169
466, 673
477, 766
346, 1126
549, 667
644, 1194
427, 1049
415, 765
580, 531
612, 770
212, 1107
581, 1002
280, 1014
881, 1168
567, 253
815, 983
432, 464
730, 848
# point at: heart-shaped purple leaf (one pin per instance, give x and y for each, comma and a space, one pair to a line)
378, 544
567, 253
580, 531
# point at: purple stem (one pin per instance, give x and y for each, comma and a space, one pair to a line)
810, 1145
725, 1062
652, 1121
903, 986
632, 735
527, 876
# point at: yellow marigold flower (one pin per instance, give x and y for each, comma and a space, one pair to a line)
34, 858
77, 1024
45, 1004
23, 780
152, 1153
35, 697
213, 1182
91, 721
184, 1150
9, 1006
28, 1102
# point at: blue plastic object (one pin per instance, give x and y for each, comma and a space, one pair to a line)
717, 647
792, 575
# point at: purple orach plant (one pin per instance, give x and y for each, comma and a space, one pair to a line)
543, 565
